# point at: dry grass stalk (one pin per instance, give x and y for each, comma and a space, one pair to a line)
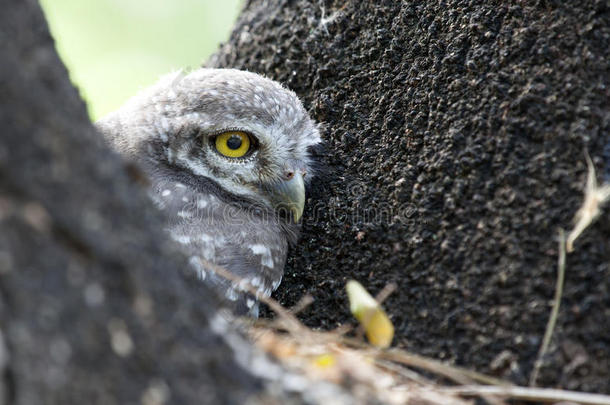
550, 327
544, 395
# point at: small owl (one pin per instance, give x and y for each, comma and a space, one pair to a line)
227, 153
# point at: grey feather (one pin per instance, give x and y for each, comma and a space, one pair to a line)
219, 209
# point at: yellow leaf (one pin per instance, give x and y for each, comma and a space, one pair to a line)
378, 327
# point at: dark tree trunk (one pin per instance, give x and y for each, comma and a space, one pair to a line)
455, 138
93, 308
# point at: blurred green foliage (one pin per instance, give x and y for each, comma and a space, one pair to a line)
112, 48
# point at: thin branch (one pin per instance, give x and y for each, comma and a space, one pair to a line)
459, 375
453, 373
290, 321
456, 374
385, 293
546, 395
303, 303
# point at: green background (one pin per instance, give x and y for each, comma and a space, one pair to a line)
112, 48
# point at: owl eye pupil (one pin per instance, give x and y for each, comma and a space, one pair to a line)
234, 142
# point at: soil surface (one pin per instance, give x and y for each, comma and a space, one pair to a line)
455, 137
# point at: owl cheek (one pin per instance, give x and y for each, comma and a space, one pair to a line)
262, 161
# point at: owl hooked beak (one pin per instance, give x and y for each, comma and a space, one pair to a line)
289, 195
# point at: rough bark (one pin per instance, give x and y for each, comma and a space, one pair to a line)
93, 306
454, 152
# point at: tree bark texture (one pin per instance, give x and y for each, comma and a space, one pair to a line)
455, 138
93, 306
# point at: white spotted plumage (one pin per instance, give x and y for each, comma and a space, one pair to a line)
230, 212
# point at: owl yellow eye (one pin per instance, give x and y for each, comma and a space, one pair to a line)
233, 144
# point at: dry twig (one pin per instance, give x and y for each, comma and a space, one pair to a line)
546, 395
336, 358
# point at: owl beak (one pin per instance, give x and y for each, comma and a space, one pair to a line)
289, 195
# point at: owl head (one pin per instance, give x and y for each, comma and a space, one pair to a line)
246, 134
